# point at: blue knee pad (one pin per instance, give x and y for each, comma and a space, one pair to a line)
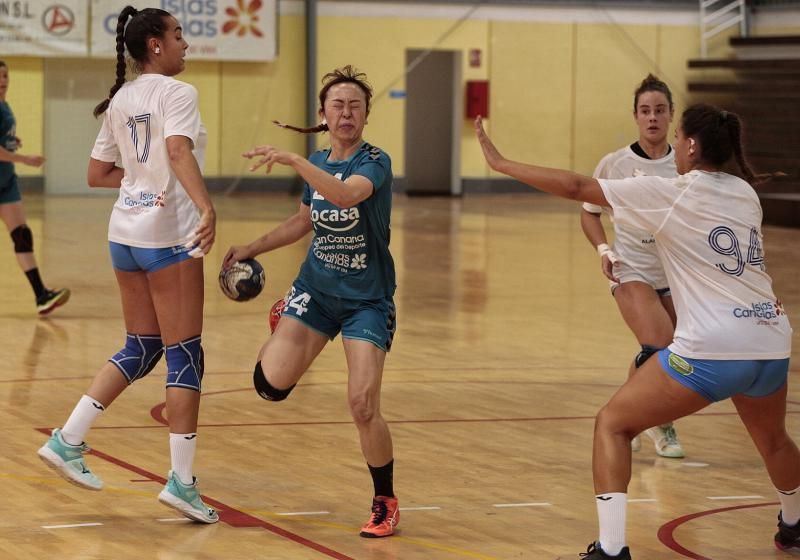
185, 364
139, 357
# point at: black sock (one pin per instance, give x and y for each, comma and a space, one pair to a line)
382, 479
36, 282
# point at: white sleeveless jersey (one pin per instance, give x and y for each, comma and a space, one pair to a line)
152, 210
635, 248
708, 232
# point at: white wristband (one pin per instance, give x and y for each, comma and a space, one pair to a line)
602, 249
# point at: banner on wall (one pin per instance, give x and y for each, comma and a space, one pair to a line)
243, 30
44, 28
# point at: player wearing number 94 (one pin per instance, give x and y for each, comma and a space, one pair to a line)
346, 283
732, 338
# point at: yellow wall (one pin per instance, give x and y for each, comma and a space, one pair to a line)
560, 93
26, 95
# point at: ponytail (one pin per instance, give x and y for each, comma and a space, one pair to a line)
321, 127
127, 11
719, 133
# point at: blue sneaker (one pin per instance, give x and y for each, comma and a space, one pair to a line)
67, 461
186, 500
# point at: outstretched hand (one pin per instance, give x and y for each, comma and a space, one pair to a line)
493, 157
269, 156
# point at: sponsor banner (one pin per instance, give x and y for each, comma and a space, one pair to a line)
56, 28
244, 30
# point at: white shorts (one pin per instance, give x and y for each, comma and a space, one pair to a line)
639, 265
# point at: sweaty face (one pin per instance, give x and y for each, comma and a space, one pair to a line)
345, 111
653, 116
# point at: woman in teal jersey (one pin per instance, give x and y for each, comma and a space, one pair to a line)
346, 283
11, 211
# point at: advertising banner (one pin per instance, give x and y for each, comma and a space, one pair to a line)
55, 28
244, 30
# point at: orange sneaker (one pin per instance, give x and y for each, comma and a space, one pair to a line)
385, 517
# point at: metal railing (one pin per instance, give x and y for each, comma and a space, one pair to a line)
718, 15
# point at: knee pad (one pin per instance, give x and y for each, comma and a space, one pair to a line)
185, 364
139, 357
646, 352
23, 239
265, 390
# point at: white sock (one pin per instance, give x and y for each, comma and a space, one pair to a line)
790, 505
611, 508
181, 449
83, 416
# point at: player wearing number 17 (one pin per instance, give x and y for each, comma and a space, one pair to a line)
346, 283
732, 338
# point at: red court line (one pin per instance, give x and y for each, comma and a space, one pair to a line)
227, 514
666, 531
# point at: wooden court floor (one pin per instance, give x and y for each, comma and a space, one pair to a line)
508, 343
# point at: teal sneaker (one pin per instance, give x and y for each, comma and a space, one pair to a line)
186, 500
67, 461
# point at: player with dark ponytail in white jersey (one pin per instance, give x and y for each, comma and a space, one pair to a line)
150, 147
631, 264
732, 338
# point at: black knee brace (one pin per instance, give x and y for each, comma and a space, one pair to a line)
265, 390
646, 352
23, 239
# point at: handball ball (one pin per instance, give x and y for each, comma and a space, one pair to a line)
275, 314
244, 280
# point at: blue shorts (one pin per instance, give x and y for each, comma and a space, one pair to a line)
717, 380
136, 259
372, 320
9, 191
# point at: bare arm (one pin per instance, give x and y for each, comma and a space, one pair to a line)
565, 184
593, 228
184, 164
104, 174
343, 194
290, 231
14, 157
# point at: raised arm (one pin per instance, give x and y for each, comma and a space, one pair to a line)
343, 194
565, 184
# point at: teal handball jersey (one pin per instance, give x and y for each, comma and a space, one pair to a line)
349, 255
8, 140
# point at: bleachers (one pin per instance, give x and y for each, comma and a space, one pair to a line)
762, 84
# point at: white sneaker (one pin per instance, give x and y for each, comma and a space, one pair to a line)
67, 461
666, 441
186, 500
636, 443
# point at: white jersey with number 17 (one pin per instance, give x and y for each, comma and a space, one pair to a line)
153, 210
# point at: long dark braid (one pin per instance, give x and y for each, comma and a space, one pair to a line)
146, 23
127, 11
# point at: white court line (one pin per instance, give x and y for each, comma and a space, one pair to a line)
529, 504
735, 497
642, 500
290, 513
420, 508
70, 526
170, 519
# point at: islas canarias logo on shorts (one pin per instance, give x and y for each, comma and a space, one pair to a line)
680, 365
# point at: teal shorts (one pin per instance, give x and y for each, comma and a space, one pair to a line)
374, 321
717, 380
9, 191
